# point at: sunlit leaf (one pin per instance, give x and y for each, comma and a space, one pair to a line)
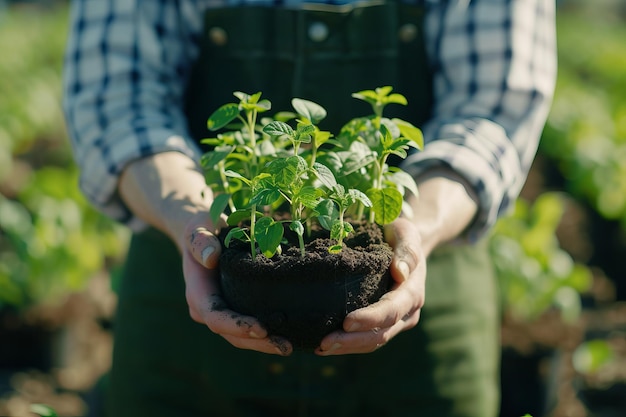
223, 116
386, 204
309, 110
268, 235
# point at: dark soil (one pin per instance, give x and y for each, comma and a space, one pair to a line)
305, 298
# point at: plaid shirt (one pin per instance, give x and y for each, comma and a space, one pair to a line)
494, 64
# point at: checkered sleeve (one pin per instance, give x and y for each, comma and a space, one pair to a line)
124, 71
494, 66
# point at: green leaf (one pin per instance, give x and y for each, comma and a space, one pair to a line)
548, 209
568, 301
410, 132
268, 235
383, 91
263, 105
244, 97
266, 196
338, 230
386, 137
223, 116
304, 132
592, 355
335, 249
220, 202
307, 196
369, 96
309, 110
396, 99
298, 163
386, 204
297, 227
236, 233
399, 151
212, 158
283, 173
239, 216
43, 410
233, 174
284, 116
287, 171
327, 213
277, 128
403, 179
580, 278
325, 175
358, 195
321, 137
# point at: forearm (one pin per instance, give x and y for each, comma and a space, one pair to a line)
165, 190
446, 206
490, 98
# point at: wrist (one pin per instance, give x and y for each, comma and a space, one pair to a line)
445, 208
167, 191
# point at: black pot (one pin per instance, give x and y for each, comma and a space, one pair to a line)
304, 299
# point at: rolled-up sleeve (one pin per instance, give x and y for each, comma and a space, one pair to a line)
124, 78
494, 66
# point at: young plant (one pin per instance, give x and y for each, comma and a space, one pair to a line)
256, 168
373, 140
332, 209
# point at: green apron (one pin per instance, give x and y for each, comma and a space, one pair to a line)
167, 365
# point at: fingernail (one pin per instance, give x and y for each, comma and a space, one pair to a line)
254, 335
355, 326
206, 252
403, 267
333, 348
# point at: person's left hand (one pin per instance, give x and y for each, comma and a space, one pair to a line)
367, 329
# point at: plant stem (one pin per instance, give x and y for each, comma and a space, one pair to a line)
301, 242
252, 136
252, 239
341, 217
222, 169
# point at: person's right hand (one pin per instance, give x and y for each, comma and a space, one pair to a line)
200, 253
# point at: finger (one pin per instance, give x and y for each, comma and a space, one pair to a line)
403, 237
269, 345
394, 306
341, 343
204, 246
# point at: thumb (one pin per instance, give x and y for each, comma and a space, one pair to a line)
403, 237
204, 246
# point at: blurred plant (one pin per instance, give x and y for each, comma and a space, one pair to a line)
51, 240
592, 355
31, 120
586, 131
535, 273
43, 410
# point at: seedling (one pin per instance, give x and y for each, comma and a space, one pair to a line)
288, 164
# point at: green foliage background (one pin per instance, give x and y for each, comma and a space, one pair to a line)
52, 242
586, 132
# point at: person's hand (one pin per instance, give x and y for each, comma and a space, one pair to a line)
367, 329
200, 253
168, 191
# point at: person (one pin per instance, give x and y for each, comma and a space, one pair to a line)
141, 78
